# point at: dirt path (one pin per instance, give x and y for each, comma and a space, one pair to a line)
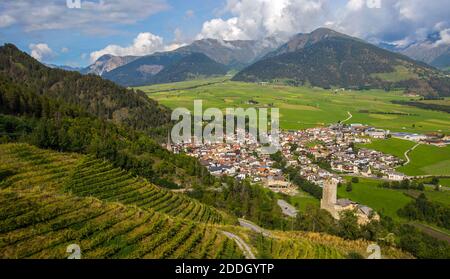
350, 116
242, 245
249, 225
408, 160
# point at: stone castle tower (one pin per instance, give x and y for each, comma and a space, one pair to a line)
329, 197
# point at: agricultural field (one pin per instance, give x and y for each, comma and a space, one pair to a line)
367, 192
183, 84
425, 159
445, 182
305, 107
323, 244
445, 102
50, 200
393, 146
96, 178
428, 160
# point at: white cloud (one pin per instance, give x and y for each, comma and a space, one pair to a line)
256, 19
394, 21
223, 29
6, 20
41, 51
143, 44
445, 38
174, 46
65, 50
54, 14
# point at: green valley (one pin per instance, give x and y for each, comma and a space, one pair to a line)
306, 107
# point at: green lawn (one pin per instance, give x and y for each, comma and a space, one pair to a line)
442, 196
445, 182
382, 200
305, 107
396, 147
428, 160
303, 200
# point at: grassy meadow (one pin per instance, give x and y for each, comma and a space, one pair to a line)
445, 182
393, 146
304, 107
425, 159
367, 192
428, 160
303, 200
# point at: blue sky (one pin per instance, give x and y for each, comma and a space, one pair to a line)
55, 34
78, 40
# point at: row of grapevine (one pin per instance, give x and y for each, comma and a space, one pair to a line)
92, 177
41, 220
295, 248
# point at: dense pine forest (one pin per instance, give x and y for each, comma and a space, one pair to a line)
32, 89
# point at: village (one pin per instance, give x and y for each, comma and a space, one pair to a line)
320, 154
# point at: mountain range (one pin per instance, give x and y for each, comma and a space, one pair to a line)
436, 55
324, 58
165, 67
107, 63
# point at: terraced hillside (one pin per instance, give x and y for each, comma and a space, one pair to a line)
87, 177
39, 220
100, 179
50, 200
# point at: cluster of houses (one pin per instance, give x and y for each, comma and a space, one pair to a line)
240, 160
335, 146
367, 163
320, 154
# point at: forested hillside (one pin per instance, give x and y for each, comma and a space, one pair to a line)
29, 88
165, 67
